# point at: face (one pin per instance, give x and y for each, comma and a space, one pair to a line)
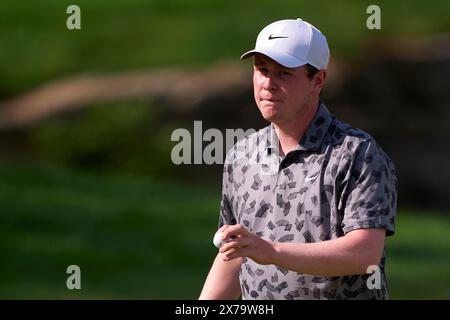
284, 94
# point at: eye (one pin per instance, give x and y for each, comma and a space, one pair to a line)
263, 70
285, 73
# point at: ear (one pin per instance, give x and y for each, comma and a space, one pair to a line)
319, 81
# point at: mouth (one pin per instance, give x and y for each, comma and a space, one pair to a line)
271, 100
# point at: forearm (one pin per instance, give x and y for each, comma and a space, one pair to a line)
348, 255
222, 282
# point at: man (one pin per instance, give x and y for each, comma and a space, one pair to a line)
311, 228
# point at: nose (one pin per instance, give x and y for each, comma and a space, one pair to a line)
268, 83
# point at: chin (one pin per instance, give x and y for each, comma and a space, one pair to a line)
269, 116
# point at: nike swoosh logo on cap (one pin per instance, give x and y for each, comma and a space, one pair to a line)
271, 37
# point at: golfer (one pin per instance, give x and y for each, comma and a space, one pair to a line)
308, 201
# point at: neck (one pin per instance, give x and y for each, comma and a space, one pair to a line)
290, 133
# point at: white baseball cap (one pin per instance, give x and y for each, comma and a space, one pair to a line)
292, 43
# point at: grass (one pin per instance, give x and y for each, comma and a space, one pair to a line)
419, 256
132, 238
135, 238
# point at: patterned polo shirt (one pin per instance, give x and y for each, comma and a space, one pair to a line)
338, 179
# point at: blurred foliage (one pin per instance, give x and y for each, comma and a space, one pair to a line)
117, 35
114, 136
136, 238
132, 137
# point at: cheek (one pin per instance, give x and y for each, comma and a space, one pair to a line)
259, 80
256, 82
298, 91
256, 87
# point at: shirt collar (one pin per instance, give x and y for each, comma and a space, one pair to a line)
313, 136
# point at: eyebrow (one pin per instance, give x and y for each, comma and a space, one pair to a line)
279, 66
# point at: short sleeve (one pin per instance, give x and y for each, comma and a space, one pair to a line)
226, 213
371, 192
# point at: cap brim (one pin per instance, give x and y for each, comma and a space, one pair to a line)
285, 60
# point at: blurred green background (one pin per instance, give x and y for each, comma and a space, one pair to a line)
96, 188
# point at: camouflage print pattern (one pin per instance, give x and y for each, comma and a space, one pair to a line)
338, 179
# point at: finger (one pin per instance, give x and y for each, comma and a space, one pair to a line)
234, 230
236, 253
232, 254
225, 226
240, 242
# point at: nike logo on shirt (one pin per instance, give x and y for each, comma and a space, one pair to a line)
313, 177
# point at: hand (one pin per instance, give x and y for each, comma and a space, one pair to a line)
242, 243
